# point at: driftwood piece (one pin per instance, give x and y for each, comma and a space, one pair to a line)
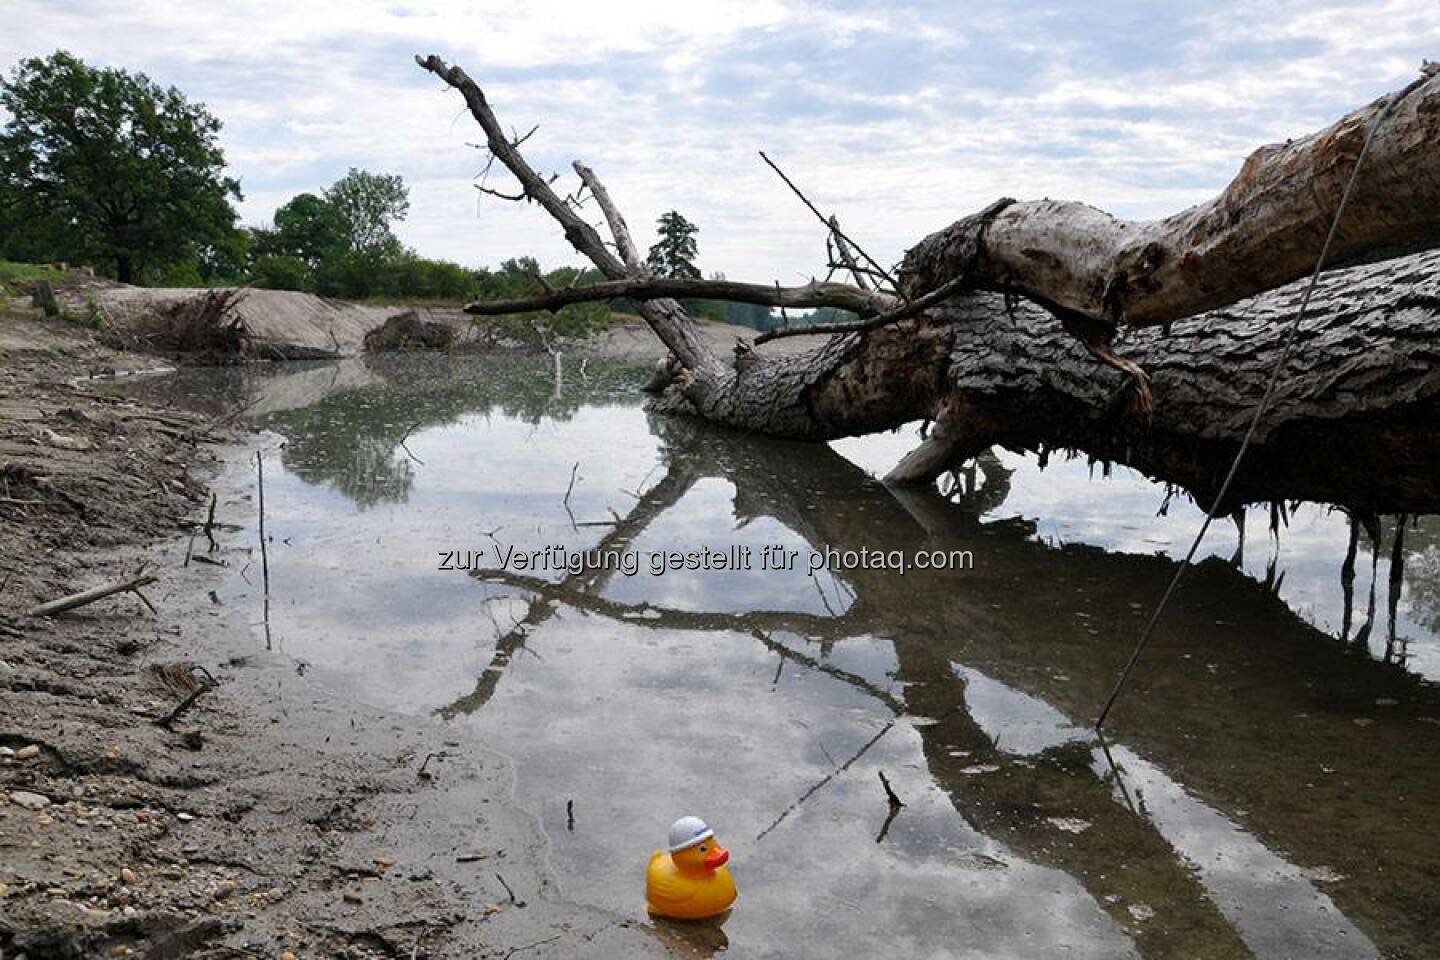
52, 607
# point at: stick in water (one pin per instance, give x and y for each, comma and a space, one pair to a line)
264, 554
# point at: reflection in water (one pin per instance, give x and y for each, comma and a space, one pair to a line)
1265, 798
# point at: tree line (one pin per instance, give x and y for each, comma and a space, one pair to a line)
105, 167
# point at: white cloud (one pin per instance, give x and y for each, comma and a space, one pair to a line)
900, 119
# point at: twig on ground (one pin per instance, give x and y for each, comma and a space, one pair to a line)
264, 553
206, 684
210, 525
511, 893
131, 585
424, 774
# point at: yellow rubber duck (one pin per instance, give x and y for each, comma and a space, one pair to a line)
691, 881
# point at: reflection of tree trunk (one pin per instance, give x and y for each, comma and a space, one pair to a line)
980, 485
1010, 800
1026, 641
1347, 579
651, 504
1392, 604
1117, 855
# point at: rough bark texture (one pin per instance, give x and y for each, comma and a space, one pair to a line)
1354, 422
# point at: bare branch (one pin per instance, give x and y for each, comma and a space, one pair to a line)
618, 228
812, 294
513, 197
669, 321
847, 258
919, 305
831, 223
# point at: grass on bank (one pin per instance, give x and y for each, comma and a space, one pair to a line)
18, 281
16, 276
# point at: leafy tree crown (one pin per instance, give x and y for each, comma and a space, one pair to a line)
105, 165
366, 205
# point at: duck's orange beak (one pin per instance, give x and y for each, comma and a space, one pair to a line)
716, 858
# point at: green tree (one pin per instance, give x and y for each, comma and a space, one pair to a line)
105, 165
280, 272
310, 228
674, 254
366, 204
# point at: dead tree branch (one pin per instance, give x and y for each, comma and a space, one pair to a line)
619, 229
915, 307
846, 255
666, 318
813, 294
60, 605
831, 223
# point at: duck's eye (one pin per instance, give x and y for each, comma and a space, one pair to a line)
703, 848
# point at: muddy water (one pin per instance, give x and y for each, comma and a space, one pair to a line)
1268, 790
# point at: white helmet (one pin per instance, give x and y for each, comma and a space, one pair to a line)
688, 831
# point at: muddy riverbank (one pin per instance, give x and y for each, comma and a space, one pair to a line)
269, 818
287, 324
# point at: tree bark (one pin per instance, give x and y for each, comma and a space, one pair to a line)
1356, 422
971, 341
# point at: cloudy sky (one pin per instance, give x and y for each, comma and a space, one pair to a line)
899, 118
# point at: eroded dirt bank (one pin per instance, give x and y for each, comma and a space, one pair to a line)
269, 819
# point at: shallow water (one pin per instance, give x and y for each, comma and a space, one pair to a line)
1269, 786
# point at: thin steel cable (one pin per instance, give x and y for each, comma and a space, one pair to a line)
1264, 404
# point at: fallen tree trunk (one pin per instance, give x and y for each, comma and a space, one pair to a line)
970, 338
1356, 421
